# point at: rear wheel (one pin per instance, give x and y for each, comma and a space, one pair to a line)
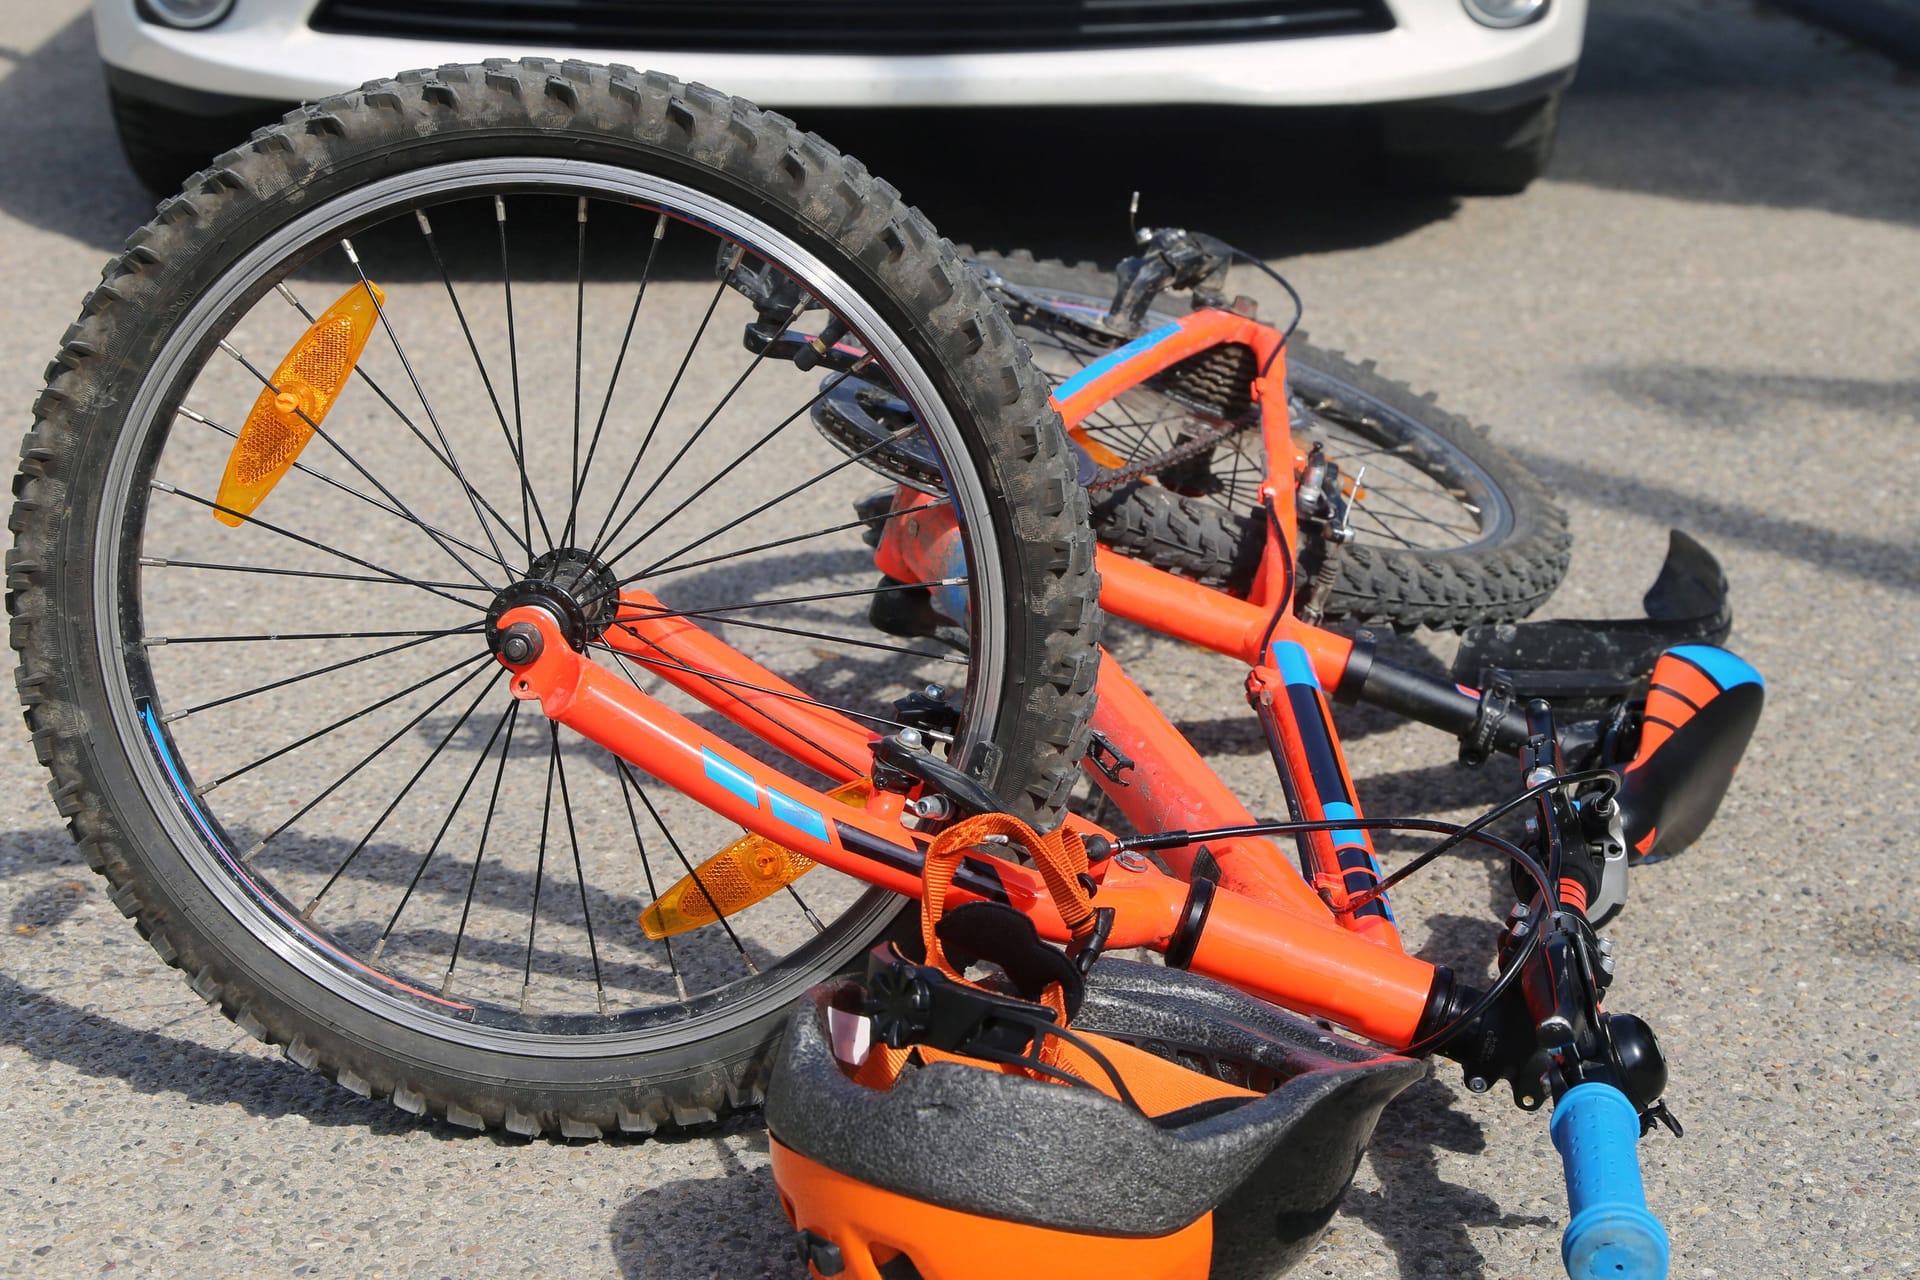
1452, 531
284, 740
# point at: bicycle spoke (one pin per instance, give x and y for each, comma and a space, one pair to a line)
737, 461
260, 845
580, 879
156, 641
654, 615
480, 851
579, 342
344, 721
694, 438
952, 659
351, 461
601, 538
1382, 525
344, 487
1407, 512
374, 386
620, 359
800, 698
768, 505
805, 910
433, 419
486, 380
406, 788
860, 522
626, 773
446, 824
305, 541
653, 890
623, 657
513, 356
540, 867
162, 562
172, 716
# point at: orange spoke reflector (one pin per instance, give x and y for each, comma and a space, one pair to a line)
1095, 450
307, 382
751, 868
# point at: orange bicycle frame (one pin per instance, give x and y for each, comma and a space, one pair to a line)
1235, 909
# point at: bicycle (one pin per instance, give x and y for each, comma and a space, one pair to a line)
283, 896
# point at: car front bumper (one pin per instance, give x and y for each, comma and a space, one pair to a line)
265, 52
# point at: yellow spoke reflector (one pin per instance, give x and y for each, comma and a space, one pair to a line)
751, 868
1095, 450
307, 382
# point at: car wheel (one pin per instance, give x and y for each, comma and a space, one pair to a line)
1473, 152
166, 146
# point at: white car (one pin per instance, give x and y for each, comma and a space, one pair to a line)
1469, 90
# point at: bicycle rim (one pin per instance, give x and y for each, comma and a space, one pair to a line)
325, 737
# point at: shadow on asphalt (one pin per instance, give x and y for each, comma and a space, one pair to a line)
62, 163
689, 1229
48, 1029
1879, 561
1423, 1218
1739, 104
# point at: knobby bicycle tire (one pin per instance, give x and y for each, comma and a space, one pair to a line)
508, 143
1507, 565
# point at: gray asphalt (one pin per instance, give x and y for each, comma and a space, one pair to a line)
1705, 317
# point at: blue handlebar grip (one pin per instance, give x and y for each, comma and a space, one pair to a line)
1611, 1235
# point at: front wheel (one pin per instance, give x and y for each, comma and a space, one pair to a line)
266, 695
1451, 530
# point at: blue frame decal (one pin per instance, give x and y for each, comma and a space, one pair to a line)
1294, 665
733, 778
796, 815
801, 817
1081, 380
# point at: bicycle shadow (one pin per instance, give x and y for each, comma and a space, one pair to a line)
49, 1029
715, 1228
1422, 1217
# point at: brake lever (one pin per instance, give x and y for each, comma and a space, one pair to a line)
1171, 259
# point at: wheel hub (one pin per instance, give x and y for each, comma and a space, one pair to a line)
576, 587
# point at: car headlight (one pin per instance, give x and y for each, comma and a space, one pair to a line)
1505, 13
186, 15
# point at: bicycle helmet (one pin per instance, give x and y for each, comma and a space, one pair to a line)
1137, 1121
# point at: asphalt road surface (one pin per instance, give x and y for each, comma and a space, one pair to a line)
1705, 317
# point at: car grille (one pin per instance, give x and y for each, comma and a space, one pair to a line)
849, 26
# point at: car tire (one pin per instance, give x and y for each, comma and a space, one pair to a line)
165, 146
1471, 152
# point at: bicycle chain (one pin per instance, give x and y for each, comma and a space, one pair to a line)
1185, 449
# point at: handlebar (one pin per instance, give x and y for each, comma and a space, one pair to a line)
1611, 1234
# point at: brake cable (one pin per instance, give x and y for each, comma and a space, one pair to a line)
1456, 834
